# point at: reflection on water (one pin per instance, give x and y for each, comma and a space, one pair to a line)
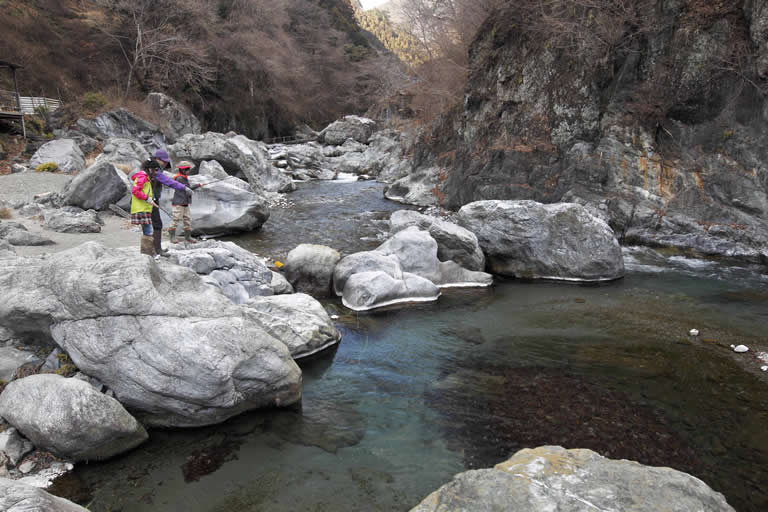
415, 394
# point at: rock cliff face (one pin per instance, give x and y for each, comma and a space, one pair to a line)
661, 133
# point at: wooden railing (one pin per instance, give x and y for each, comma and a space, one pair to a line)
29, 104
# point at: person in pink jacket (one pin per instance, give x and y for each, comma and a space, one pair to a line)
143, 203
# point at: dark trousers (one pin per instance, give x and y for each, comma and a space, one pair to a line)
157, 222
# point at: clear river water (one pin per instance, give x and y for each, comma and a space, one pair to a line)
415, 394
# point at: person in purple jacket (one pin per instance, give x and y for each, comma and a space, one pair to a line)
158, 179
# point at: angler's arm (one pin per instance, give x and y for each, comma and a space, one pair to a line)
168, 182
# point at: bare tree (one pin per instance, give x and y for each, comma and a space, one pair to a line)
156, 51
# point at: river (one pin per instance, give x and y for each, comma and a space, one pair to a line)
417, 393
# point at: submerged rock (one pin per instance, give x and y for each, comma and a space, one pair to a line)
553, 478
531, 240
69, 418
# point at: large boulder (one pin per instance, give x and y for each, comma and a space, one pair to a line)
531, 240
175, 351
238, 155
552, 478
96, 188
64, 152
298, 320
454, 243
416, 251
125, 154
178, 120
20, 497
349, 127
221, 207
122, 124
69, 418
309, 268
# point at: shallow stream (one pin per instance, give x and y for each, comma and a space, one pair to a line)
415, 394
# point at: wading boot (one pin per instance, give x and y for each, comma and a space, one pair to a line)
157, 240
188, 237
147, 245
172, 234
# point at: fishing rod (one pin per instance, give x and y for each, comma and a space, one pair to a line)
215, 181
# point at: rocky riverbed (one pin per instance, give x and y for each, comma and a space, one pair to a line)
215, 331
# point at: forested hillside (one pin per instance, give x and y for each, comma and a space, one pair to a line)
258, 67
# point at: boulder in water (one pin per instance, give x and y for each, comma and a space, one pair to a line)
553, 478
532, 240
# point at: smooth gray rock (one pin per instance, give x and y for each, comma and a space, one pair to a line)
280, 284
214, 170
174, 351
368, 290
72, 221
178, 119
552, 478
453, 242
531, 240
14, 446
20, 497
222, 207
309, 269
64, 152
349, 127
297, 320
96, 187
366, 261
22, 237
238, 155
416, 251
69, 418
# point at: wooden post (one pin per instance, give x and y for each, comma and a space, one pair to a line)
18, 102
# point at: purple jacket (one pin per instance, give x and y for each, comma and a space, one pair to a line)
161, 178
